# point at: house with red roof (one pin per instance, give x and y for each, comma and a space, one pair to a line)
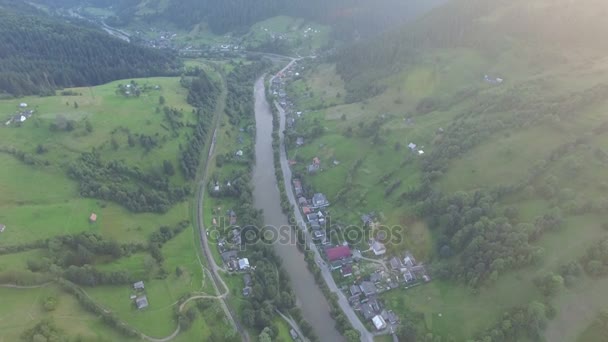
337, 253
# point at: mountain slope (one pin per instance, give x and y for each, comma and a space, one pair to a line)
544, 30
507, 203
350, 18
39, 54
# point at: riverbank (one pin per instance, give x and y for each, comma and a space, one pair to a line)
310, 299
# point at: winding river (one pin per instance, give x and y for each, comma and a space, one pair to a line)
310, 299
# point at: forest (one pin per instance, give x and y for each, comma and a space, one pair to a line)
39, 54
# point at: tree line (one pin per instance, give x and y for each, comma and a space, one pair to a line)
128, 186
202, 94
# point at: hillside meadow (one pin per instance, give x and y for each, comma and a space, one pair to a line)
558, 158
40, 201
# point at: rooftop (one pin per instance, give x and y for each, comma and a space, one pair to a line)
337, 253
379, 322
141, 302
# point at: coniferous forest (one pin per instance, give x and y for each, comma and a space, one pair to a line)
40, 54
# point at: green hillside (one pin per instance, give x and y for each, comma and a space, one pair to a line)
122, 151
508, 104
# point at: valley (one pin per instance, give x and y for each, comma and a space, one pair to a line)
226, 171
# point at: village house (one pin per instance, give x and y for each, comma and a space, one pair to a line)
244, 264
408, 276
229, 255
236, 236
23, 105
297, 186
493, 80
338, 253
93, 218
368, 288
396, 265
319, 201
318, 235
346, 270
367, 311
390, 316
354, 290
379, 322
141, 302
378, 248
2, 228
376, 277
300, 141
409, 260
232, 217
412, 147
302, 201
138, 286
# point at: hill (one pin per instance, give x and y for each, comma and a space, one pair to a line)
506, 201
40, 54
350, 18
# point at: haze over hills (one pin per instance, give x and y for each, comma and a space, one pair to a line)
493, 28
350, 18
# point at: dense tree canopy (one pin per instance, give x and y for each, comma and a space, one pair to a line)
39, 54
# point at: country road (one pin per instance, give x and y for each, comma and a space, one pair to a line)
217, 282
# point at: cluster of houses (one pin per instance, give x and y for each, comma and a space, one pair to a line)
21, 116
305, 33
139, 298
157, 38
229, 248
363, 289
129, 90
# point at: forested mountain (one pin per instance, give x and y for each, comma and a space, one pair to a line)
491, 27
350, 18
39, 54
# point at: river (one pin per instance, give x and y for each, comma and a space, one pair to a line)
310, 299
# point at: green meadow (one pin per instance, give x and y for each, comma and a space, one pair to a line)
38, 201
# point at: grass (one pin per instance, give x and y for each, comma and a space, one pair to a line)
40, 202
302, 36
162, 293
594, 333
32, 214
452, 310
22, 309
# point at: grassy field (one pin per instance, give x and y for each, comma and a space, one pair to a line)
302, 36
40, 201
22, 309
31, 214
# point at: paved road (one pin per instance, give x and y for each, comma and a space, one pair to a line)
349, 312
